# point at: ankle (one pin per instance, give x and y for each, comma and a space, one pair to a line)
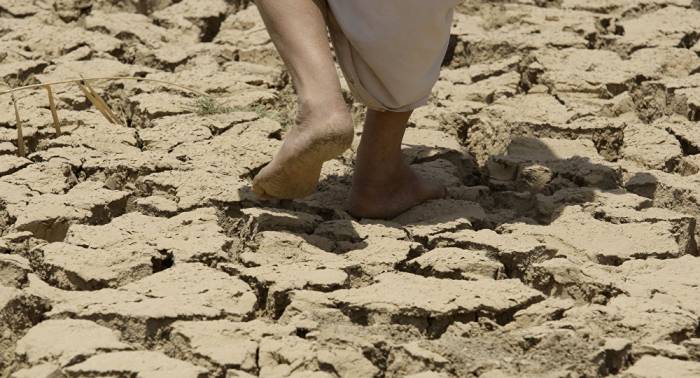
324, 113
383, 176
322, 105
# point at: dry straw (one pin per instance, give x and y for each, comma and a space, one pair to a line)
54, 112
95, 99
20, 137
98, 102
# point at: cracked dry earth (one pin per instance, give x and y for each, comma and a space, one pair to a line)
567, 132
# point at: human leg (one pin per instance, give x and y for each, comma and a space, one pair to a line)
384, 185
324, 126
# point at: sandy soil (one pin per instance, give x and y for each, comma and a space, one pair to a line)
566, 131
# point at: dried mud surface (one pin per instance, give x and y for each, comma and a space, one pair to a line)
567, 132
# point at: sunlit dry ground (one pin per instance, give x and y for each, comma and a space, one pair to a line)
566, 131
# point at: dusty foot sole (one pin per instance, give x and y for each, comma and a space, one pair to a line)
295, 170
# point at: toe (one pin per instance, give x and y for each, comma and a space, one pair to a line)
259, 190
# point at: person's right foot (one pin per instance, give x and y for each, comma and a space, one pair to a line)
320, 135
388, 196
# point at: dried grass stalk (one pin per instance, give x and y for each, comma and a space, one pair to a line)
88, 94
103, 104
54, 112
20, 137
108, 78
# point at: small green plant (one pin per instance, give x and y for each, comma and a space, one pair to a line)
208, 106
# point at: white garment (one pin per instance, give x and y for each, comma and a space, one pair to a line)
391, 51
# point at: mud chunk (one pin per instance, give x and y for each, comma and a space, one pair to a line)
224, 344
49, 216
607, 243
590, 199
456, 263
240, 150
685, 131
7, 148
571, 278
426, 221
684, 224
543, 116
72, 267
66, 341
232, 84
487, 134
663, 349
146, 107
19, 243
666, 27
668, 191
191, 236
669, 281
98, 67
47, 370
141, 309
18, 73
676, 61
67, 42
197, 188
71, 10
379, 254
599, 73
443, 302
19, 311
244, 31
479, 72
18, 8
158, 206
355, 233
689, 165
297, 357
667, 97
92, 131
487, 90
128, 27
643, 321
14, 270
429, 374
510, 31
280, 262
412, 358
136, 363
484, 346
197, 21
651, 147
117, 171
693, 347
256, 220
574, 161
516, 252
172, 131
549, 309
233, 373
617, 6
51, 177
650, 366
255, 74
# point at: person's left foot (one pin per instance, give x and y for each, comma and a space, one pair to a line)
321, 134
385, 197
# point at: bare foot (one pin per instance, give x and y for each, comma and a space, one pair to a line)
320, 135
391, 195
